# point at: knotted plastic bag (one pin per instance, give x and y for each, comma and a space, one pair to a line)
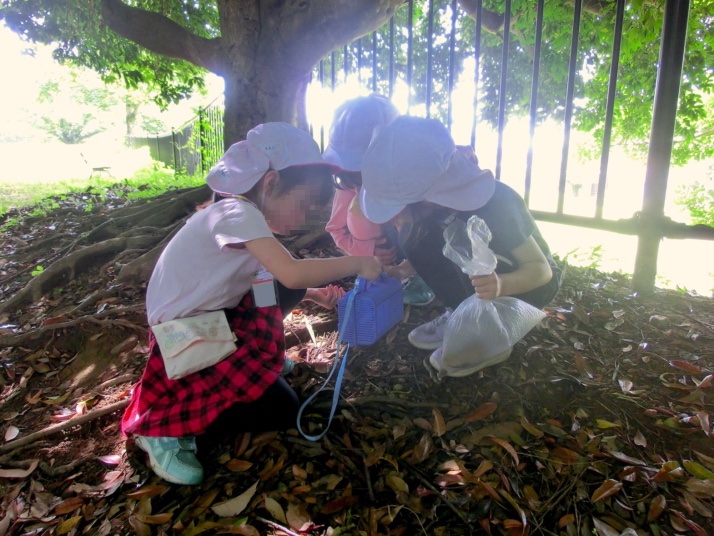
479, 333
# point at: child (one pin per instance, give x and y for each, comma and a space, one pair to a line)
414, 176
273, 180
351, 131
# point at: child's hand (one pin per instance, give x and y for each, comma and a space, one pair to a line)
370, 267
327, 297
386, 256
401, 271
487, 287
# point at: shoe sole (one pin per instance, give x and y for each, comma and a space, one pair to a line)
424, 345
156, 466
500, 358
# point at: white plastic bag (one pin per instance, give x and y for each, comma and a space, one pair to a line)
479, 333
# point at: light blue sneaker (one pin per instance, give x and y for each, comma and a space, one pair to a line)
416, 292
172, 458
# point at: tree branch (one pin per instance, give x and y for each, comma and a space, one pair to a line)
161, 35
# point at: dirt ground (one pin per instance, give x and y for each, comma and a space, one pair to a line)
598, 423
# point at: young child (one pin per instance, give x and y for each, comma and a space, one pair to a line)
272, 181
414, 176
351, 131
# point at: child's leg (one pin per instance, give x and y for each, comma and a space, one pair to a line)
276, 410
423, 247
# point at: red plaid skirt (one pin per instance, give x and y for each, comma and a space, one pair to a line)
188, 405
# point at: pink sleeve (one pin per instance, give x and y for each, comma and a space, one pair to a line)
341, 224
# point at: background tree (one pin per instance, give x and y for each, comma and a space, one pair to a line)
265, 51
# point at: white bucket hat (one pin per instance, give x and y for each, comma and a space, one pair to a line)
268, 146
352, 127
415, 159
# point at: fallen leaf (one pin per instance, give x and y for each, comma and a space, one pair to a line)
506, 446
11, 433
234, 506
67, 525
481, 412
528, 427
698, 470
273, 506
439, 423
609, 487
603, 529
339, 504
150, 490
397, 483
657, 506
685, 366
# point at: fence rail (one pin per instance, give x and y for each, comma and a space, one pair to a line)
429, 63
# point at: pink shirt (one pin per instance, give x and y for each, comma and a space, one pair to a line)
350, 229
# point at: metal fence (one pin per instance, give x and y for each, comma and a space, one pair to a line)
428, 63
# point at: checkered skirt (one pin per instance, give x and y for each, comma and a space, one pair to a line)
188, 405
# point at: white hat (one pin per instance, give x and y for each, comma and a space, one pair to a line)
415, 159
352, 127
267, 146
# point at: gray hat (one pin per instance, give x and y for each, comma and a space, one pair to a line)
352, 127
413, 159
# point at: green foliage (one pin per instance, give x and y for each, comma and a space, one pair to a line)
38, 270
38, 200
698, 199
68, 131
75, 28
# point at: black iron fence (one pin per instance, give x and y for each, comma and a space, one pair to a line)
428, 47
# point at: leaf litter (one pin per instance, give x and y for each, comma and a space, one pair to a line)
599, 423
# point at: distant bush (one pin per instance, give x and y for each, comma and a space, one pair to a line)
698, 199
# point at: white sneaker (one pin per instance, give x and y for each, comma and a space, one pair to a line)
430, 336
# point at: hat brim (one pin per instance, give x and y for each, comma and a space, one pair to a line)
463, 186
346, 160
378, 211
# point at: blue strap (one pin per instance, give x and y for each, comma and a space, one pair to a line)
340, 374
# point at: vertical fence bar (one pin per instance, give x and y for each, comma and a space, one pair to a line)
609, 108
359, 62
569, 103
429, 54
410, 42
452, 53
173, 147
333, 73
321, 78
534, 99
503, 86
345, 65
477, 69
374, 61
391, 57
664, 114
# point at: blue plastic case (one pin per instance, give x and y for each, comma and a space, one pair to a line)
377, 307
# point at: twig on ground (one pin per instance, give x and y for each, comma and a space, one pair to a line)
106, 410
277, 526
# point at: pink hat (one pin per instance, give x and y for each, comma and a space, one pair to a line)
268, 146
415, 159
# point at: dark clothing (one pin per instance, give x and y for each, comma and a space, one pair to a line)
511, 224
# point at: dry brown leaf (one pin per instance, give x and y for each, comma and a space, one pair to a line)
68, 505
481, 412
234, 506
339, 504
397, 483
238, 466
528, 427
506, 446
608, 488
68, 524
566, 456
439, 423
273, 506
657, 506
140, 528
150, 490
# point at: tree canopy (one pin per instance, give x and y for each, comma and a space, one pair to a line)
266, 51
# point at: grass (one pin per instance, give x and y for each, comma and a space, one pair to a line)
147, 182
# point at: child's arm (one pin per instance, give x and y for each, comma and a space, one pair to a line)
533, 272
339, 229
305, 273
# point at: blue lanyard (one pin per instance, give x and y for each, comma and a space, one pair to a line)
340, 374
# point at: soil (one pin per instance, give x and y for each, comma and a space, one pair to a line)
598, 422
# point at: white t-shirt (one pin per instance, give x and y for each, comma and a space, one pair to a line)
197, 271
